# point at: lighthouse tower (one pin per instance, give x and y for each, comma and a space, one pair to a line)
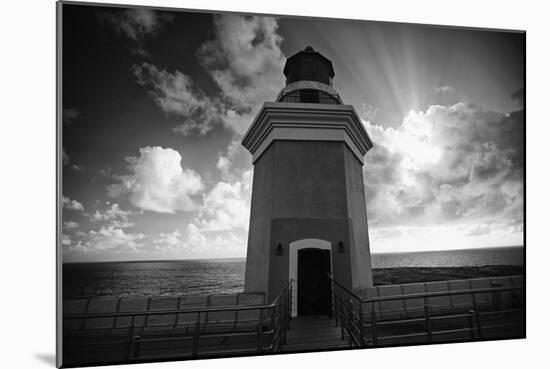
308, 215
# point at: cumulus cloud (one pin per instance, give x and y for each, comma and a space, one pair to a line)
70, 225
221, 222
245, 61
458, 164
196, 241
168, 239
136, 24
227, 205
158, 182
106, 240
234, 161
175, 94
444, 89
72, 204
65, 239
403, 238
112, 238
114, 215
177, 243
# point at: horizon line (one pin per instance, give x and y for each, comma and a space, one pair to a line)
244, 257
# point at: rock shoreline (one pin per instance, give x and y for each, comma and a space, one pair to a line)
385, 276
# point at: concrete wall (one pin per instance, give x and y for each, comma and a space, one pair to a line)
308, 180
306, 189
359, 243
259, 232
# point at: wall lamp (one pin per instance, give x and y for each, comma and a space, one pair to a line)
279, 249
341, 247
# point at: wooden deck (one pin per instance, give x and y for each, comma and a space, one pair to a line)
315, 332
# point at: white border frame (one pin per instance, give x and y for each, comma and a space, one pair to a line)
35, 36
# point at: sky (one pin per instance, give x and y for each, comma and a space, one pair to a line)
155, 104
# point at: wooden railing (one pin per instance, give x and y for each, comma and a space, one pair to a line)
253, 329
364, 324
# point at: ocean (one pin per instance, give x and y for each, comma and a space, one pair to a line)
214, 276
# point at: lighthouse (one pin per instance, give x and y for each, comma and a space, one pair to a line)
308, 215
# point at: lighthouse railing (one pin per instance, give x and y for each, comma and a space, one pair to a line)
179, 333
484, 313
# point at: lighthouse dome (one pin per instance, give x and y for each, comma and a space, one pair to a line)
309, 79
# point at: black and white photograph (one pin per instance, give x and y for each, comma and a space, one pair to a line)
241, 184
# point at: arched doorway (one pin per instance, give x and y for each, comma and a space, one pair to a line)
314, 288
309, 263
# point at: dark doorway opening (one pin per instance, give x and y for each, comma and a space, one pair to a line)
314, 287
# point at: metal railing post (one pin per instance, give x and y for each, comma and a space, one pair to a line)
350, 317
196, 336
341, 320
361, 325
336, 306
286, 316
471, 325
136, 342
282, 324
478, 321
427, 317
289, 305
374, 335
272, 323
260, 332
131, 334
130, 342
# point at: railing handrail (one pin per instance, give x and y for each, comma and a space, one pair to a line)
179, 311
276, 301
426, 294
441, 293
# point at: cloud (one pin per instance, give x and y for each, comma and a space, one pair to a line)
245, 61
70, 115
227, 205
196, 241
221, 223
448, 165
70, 225
65, 156
116, 216
72, 204
234, 161
158, 182
368, 111
66, 160
112, 238
177, 243
403, 238
175, 94
444, 89
168, 239
136, 24
65, 239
